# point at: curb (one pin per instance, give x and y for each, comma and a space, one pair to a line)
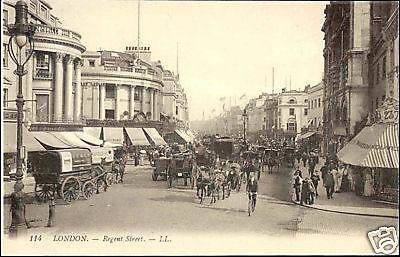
344, 212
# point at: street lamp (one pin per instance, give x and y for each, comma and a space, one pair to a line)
244, 125
21, 38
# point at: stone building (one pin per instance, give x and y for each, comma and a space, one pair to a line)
52, 84
359, 54
315, 96
292, 112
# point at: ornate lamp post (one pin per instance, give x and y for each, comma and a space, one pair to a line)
21, 38
244, 125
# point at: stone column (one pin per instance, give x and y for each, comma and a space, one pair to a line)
102, 95
29, 94
58, 87
155, 103
142, 107
68, 104
117, 102
152, 104
78, 91
132, 101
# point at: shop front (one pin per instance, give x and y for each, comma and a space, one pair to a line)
374, 156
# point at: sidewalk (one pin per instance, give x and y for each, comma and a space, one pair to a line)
349, 202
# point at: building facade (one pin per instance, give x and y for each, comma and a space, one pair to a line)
292, 112
52, 85
359, 65
315, 96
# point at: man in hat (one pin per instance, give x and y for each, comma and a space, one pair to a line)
315, 179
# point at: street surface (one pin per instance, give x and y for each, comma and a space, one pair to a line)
141, 205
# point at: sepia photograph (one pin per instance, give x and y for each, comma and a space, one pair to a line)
168, 127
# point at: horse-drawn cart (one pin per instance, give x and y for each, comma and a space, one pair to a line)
69, 173
161, 168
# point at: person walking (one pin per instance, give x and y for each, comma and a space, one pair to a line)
304, 158
311, 165
329, 184
315, 180
297, 184
324, 171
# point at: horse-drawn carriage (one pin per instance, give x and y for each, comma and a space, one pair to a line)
271, 159
71, 173
289, 155
224, 147
161, 168
180, 167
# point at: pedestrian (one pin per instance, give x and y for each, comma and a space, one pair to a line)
324, 171
311, 192
329, 184
305, 192
336, 176
304, 159
297, 184
311, 165
315, 180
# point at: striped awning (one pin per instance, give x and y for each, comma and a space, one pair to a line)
375, 146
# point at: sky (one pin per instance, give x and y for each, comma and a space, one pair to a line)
226, 49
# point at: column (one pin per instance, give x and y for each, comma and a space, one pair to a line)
68, 104
152, 104
102, 95
117, 102
78, 91
142, 107
58, 87
155, 109
132, 102
28, 92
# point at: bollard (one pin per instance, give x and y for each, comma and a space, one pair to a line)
19, 224
52, 211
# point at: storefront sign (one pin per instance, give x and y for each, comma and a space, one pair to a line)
10, 115
388, 112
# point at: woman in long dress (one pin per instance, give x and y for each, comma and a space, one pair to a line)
369, 183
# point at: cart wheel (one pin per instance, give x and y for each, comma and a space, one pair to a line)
154, 176
109, 179
88, 189
43, 192
101, 185
70, 189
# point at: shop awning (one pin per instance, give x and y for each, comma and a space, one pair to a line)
190, 134
70, 138
137, 136
93, 131
183, 135
375, 146
155, 136
113, 135
50, 141
10, 139
89, 139
307, 135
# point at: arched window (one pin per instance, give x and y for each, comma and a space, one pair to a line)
292, 101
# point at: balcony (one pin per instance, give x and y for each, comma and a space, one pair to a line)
42, 74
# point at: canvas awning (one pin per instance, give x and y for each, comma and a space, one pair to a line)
113, 135
190, 134
93, 131
307, 135
50, 141
154, 136
89, 139
10, 139
70, 138
375, 146
137, 136
183, 135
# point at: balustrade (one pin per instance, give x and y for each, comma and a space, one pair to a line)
43, 74
40, 28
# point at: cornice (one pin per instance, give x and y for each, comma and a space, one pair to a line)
109, 75
57, 41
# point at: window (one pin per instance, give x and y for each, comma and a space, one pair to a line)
292, 101
305, 111
42, 61
176, 110
91, 63
32, 5
384, 68
291, 126
109, 114
291, 111
383, 98
319, 102
42, 108
312, 104
5, 17
5, 97
43, 11
5, 55
137, 94
377, 102
110, 92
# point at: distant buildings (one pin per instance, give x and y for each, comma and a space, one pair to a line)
315, 97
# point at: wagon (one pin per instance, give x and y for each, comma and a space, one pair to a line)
224, 147
69, 173
161, 168
289, 156
179, 169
